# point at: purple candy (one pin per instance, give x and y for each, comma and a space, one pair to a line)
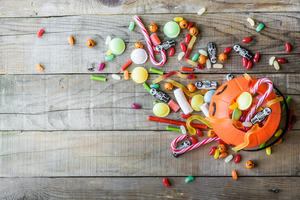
101, 66
135, 106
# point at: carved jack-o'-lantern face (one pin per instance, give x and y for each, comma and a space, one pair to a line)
138, 45
183, 24
222, 148
152, 27
194, 31
223, 57
249, 164
211, 133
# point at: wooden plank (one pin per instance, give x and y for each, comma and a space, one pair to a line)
37, 8
74, 102
150, 188
18, 41
130, 153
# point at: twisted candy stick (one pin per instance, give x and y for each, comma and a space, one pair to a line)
262, 99
190, 148
149, 44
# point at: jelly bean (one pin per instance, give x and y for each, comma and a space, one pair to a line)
155, 86
90, 43
195, 57
191, 87
183, 129
256, 58
171, 51
237, 158
234, 175
249, 164
287, 47
187, 69
268, 151
108, 39
108, 53
201, 11
135, 106
199, 132
178, 19
208, 64
262, 145
190, 25
247, 39
115, 76
97, 78
168, 128
203, 52
271, 61
227, 50
249, 65
166, 182
228, 158
200, 66
276, 65
39, 67
189, 178
288, 99
193, 139
278, 133
182, 47
155, 102
260, 27
187, 38
157, 71
107, 58
223, 155
279, 141
70, 40
131, 25
281, 60
126, 74
101, 66
185, 116
244, 61
212, 151
218, 66
168, 86
247, 124
180, 55
234, 106
251, 21
221, 142
40, 33
216, 154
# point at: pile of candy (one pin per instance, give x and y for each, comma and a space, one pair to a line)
248, 112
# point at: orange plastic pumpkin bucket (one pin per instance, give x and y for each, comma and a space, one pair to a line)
219, 109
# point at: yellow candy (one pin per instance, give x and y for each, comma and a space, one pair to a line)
244, 101
217, 153
161, 110
197, 101
178, 19
268, 151
233, 106
139, 74
278, 133
108, 53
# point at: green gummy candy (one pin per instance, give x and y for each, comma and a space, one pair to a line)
259, 27
109, 57
131, 26
189, 178
262, 145
195, 57
155, 86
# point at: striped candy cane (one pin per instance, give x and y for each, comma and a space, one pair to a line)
149, 44
192, 147
262, 99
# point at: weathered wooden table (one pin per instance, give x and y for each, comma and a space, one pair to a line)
66, 136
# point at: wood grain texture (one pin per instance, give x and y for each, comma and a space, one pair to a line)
74, 102
37, 8
131, 153
150, 188
22, 50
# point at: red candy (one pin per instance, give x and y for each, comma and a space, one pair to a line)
200, 66
256, 58
185, 116
237, 158
172, 51
190, 25
40, 33
281, 60
227, 50
187, 38
187, 69
221, 142
193, 139
182, 47
190, 100
166, 182
287, 47
247, 39
199, 132
212, 151
249, 65
245, 61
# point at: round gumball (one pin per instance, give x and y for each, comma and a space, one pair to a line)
191, 87
138, 45
221, 148
249, 164
202, 59
194, 31
223, 57
211, 133
90, 43
183, 24
152, 27
168, 86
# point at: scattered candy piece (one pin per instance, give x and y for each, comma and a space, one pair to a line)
222, 148
155, 86
228, 158
139, 56
223, 57
201, 11
227, 50
168, 128
199, 132
166, 182
108, 53
288, 99
183, 130
70, 40
185, 116
157, 71
108, 40
281, 60
197, 102
202, 59
223, 155
212, 151
217, 153
107, 58
101, 66
247, 39
152, 27
244, 62
237, 158
247, 124
131, 26
262, 145
287, 47
171, 29
218, 66
234, 175
126, 75
117, 46
195, 57
251, 21
116, 76
278, 133
126, 65
139, 75
256, 58
97, 78
39, 67
183, 24
279, 141
190, 25
203, 52
249, 65
178, 19
276, 65
90, 43
168, 86
260, 27
135, 106
191, 87
187, 69
40, 33
161, 110
271, 61
187, 38
171, 51
208, 64
189, 178
249, 164
182, 47
138, 45
180, 55
268, 151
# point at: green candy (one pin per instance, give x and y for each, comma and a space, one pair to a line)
107, 58
171, 29
195, 57
131, 25
155, 86
97, 78
288, 99
189, 178
262, 145
156, 71
173, 129
146, 86
259, 27
155, 102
